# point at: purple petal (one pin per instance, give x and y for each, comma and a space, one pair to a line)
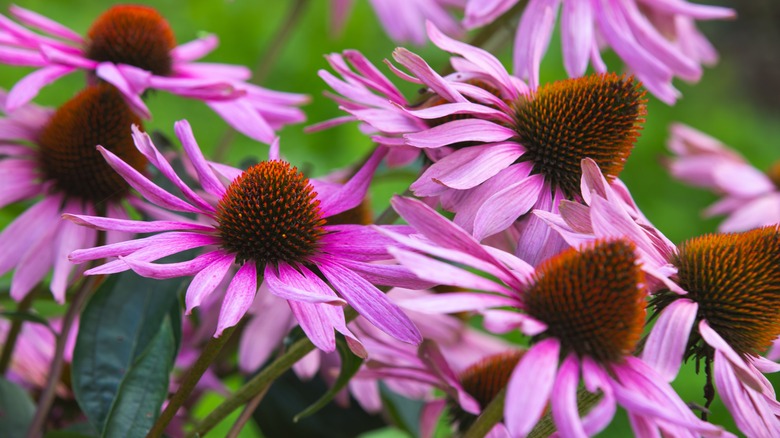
530, 386
206, 175
195, 49
351, 194
205, 281
467, 168
459, 131
172, 270
29, 86
242, 116
370, 302
504, 321
742, 370
132, 226
292, 286
273, 321
110, 73
20, 234
564, 399
35, 262
240, 294
532, 38
668, 340
455, 302
503, 208
429, 417
69, 238
147, 188
427, 75
576, 36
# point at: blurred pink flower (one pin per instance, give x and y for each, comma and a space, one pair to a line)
270, 222
404, 20
586, 308
751, 197
50, 158
133, 48
656, 39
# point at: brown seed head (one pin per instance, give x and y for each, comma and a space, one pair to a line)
98, 115
133, 35
597, 116
735, 279
270, 214
590, 300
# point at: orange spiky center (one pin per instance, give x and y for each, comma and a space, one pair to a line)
133, 35
270, 214
597, 116
590, 300
98, 115
735, 279
483, 381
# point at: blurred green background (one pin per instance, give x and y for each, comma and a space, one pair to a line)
736, 102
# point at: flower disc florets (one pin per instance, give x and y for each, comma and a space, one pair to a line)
270, 214
67, 145
597, 117
133, 35
735, 279
590, 300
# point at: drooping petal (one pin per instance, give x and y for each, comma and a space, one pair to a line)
668, 340
239, 296
530, 386
564, 399
205, 281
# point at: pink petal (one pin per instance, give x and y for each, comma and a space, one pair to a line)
466, 168
33, 19
532, 38
741, 369
206, 176
110, 73
239, 296
455, 302
427, 75
273, 321
668, 339
530, 386
132, 226
502, 209
290, 285
564, 399
29, 86
173, 270
195, 49
577, 36
459, 131
351, 194
370, 302
242, 116
205, 281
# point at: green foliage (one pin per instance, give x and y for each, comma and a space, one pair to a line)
128, 338
16, 410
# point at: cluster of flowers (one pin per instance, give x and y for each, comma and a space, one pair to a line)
541, 237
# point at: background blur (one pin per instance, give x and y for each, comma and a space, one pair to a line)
737, 101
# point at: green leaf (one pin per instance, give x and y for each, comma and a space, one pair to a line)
404, 412
144, 388
117, 326
16, 410
350, 364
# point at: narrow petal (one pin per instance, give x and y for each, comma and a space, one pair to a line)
454, 302
28, 87
206, 176
427, 75
741, 369
172, 270
503, 208
371, 303
205, 281
576, 36
564, 399
351, 194
668, 340
291, 285
459, 131
132, 226
530, 386
240, 294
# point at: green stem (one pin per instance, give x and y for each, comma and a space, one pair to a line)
188, 382
263, 67
246, 414
489, 417
13, 332
258, 384
58, 361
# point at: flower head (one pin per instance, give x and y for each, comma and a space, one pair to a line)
497, 149
727, 315
51, 157
657, 40
268, 222
751, 198
134, 48
584, 311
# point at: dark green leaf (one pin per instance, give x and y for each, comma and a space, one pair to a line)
144, 388
16, 410
350, 364
117, 326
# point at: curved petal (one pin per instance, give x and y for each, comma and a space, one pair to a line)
530, 386
240, 294
668, 340
205, 281
564, 399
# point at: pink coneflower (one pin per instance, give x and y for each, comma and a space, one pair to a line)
751, 197
404, 20
498, 148
656, 39
50, 157
727, 286
728, 315
585, 312
270, 222
133, 48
